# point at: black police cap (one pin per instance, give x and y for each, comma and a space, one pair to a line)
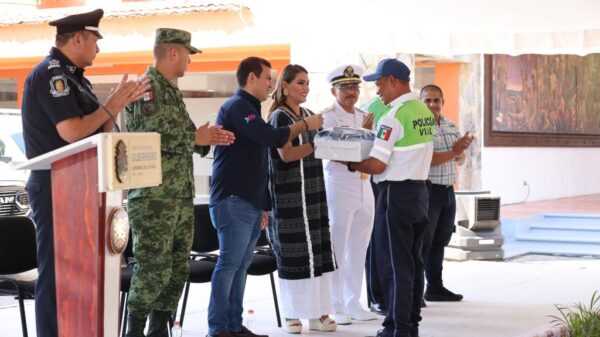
79, 22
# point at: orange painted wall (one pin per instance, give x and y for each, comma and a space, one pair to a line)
446, 77
60, 3
211, 59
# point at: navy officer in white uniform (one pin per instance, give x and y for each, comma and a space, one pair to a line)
350, 200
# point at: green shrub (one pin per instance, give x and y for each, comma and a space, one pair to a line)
581, 320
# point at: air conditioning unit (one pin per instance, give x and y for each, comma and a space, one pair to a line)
477, 212
478, 233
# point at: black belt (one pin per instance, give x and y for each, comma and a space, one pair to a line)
442, 186
407, 181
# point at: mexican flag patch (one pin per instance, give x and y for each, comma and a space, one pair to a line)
148, 96
384, 132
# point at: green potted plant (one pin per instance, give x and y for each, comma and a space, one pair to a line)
580, 320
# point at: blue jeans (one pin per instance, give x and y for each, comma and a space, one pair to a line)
238, 226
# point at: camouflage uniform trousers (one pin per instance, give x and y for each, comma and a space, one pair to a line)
163, 232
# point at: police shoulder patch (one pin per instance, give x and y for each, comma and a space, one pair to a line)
384, 132
53, 63
59, 86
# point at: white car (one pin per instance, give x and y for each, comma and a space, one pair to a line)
13, 197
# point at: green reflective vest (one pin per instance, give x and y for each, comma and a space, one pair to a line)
418, 123
376, 107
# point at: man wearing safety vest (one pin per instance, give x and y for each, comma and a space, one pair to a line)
400, 161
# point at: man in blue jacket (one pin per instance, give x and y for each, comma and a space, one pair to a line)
239, 199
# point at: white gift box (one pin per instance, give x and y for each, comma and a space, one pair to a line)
344, 144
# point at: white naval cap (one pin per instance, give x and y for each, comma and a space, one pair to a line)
347, 73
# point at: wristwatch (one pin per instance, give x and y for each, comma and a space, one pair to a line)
348, 167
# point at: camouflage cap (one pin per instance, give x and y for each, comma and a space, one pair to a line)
171, 35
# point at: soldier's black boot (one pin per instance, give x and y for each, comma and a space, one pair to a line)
135, 326
158, 324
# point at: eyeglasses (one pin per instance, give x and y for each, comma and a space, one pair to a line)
349, 87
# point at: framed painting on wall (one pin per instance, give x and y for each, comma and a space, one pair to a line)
542, 100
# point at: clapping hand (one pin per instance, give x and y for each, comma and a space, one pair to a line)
368, 121
213, 135
462, 143
126, 92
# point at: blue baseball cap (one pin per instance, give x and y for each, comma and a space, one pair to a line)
389, 67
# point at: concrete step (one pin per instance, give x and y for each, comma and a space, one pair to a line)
516, 248
555, 233
565, 227
458, 254
579, 221
556, 227
548, 236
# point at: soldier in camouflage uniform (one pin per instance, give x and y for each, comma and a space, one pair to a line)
162, 217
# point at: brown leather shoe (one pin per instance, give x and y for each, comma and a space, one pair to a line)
245, 333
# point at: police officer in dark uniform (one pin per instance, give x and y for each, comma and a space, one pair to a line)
59, 108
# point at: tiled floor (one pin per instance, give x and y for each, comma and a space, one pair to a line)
582, 204
502, 299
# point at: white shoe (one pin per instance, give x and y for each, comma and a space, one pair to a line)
341, 319
363, 315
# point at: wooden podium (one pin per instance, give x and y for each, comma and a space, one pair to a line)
90, 225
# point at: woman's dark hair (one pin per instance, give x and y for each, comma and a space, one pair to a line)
249, 65
287, 75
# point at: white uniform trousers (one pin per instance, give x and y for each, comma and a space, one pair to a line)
351, 211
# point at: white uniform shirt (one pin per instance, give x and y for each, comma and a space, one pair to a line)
337, 116
402, 163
